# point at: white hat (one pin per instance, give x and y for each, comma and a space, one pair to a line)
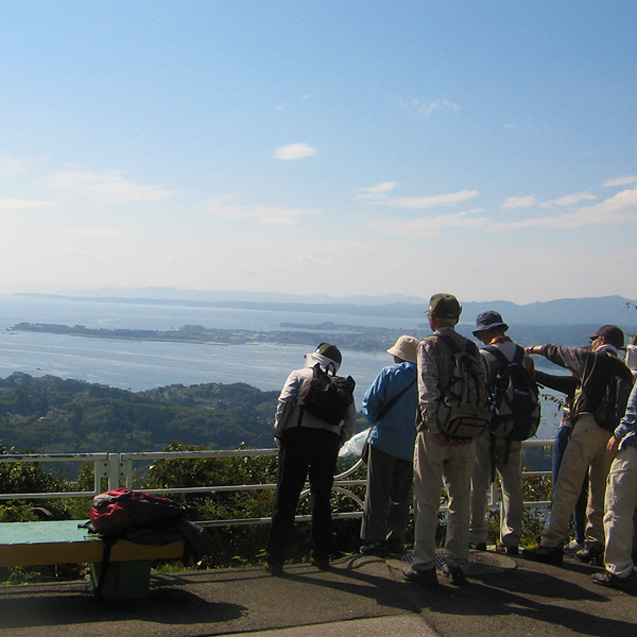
405, 348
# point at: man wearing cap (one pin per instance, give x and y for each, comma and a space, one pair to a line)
390, 406
599, 401
497, 453
438, 458
308, 445
621, 501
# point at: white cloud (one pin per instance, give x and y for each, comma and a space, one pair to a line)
24, 204
303, 257
568, 200
423, 108
10, 166
264, 214
293, 152
618, 209
620, 181
432, 201
429, 226
386, 186
377, 192
519, 202
107, 188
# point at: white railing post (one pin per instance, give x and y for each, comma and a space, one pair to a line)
126, 471
113, 471
100, 473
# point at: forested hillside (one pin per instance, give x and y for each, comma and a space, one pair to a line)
49, 414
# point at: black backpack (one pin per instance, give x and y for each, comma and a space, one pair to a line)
463, 408
608, 403
326, 397
515, 400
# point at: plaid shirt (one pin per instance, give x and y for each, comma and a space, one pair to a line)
435, 367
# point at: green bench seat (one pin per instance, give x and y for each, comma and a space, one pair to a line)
63, 542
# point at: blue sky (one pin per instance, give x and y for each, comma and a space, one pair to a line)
487, 149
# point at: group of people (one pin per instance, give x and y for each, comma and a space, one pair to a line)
409, 444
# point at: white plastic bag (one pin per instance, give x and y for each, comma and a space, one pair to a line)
353, 448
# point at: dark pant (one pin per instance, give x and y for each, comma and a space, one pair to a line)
387, 499
304, 452
579, 515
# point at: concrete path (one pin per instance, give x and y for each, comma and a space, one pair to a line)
359, 596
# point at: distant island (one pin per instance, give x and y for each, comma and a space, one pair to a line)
354, 337
359, 338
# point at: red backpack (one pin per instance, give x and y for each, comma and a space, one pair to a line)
122, 511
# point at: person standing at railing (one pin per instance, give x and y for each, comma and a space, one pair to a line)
308, 447
390, 406
621, 501
567, 386
439, 458
600, 400
501, 454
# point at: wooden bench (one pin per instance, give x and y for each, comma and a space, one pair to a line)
64, 542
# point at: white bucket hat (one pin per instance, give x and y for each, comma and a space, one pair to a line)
405, 348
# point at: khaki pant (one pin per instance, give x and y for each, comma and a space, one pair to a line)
436, 465
621, 500
586, 450
510, 474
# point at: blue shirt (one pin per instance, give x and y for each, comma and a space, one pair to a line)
627, 429
395, 434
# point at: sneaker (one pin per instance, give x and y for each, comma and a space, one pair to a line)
455, 575
591, 554
502, 548
478, 546
610, 579
322, 565
424, 578
380, 549
273, 569
573, 546
546, 554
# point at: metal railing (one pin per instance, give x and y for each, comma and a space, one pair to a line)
118, 469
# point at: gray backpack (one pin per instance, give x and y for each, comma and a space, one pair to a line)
463, 409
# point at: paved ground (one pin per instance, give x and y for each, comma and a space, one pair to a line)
360, 596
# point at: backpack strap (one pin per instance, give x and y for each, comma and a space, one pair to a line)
385, 409
108, 541
498, 355
449, 342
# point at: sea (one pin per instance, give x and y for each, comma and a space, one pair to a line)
141, 365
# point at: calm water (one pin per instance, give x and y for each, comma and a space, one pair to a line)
139, 365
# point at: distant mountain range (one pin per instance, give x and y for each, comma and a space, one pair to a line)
584, 311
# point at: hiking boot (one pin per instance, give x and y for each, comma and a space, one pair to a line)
502, 548
546, 554
573, 546
611, 580
478, 546
591, 554
273, 569
424, 578
379, 549
322, 565
455, 575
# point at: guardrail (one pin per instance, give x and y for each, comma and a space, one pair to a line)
118, 469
